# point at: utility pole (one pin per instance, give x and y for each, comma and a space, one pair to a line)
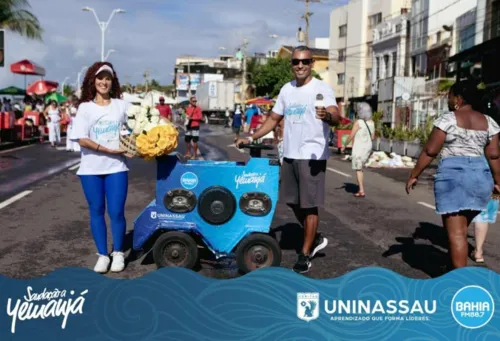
146, 80
189, 76
307, 15
244, 77
345, 64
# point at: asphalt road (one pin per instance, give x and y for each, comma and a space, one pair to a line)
45, 222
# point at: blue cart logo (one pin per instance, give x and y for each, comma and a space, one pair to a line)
189, 180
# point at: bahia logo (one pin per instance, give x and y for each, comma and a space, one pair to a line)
189, 180
153, 215
308, 306
472, 307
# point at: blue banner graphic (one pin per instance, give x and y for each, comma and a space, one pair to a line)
268, 304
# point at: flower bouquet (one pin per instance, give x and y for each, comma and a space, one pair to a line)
146, 134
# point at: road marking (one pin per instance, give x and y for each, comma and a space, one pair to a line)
14, 149
14, 199
339, 172
74, 167
427, 205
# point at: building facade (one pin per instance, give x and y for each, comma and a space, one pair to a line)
433, 28
390, 57
191, 71
351, 39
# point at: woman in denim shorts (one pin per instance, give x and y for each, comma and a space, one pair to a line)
464, 182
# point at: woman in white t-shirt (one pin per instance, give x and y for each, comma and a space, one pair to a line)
53, 117
103, 168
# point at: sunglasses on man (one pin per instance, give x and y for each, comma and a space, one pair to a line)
304, 61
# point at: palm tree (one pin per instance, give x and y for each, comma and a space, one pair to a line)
14, 17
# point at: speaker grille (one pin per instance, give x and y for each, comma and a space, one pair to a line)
256, 203
179, 201
216, 205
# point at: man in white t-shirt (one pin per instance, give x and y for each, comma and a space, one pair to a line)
305, 147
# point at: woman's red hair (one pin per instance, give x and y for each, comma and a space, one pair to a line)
88, 87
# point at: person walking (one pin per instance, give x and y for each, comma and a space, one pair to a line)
53, 119
164, 109
305, 148
194, 117
481, 222
71, 145
464, 182
103, 168
363, 133
237, 122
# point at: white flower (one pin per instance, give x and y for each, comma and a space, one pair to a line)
131, 123
133, 111
149, 126
155, 112
144, 111
154, 119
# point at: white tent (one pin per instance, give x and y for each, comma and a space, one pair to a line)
153, 97
131, 98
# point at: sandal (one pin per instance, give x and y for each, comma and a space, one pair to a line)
477, 260
359, 195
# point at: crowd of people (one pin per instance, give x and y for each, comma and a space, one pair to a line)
467, 183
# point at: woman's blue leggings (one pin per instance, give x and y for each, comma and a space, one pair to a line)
113, 188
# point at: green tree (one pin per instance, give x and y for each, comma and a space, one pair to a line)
15, 17
270, 78
68, 90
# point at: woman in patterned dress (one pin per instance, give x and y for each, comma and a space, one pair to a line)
363, 133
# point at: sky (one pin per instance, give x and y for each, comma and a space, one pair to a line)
152, 33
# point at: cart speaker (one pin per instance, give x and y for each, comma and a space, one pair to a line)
216, 205
255, 203
179, 201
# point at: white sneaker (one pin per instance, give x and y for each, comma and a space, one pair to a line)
118, 263
102, 264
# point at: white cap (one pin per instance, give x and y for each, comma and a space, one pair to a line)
105, 68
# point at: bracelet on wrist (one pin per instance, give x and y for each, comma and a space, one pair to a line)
98, 146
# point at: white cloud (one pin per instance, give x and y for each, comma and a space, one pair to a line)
152, 33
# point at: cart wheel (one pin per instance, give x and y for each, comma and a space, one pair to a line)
175, 249
257, 251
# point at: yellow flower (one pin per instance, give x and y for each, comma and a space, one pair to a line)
163, 143
152, 138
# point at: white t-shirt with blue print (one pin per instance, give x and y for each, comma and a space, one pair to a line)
305, 137
102, 125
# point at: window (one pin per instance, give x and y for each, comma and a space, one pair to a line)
369, 75
378, 67
341, 55
394, 63
495, 19
386, 66
343, 31
374, 20
398, 28
438, 37
340, 78
369, 50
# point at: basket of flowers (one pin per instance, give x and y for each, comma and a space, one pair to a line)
146, 134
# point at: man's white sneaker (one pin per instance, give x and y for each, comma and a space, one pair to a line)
102, 264
118, 263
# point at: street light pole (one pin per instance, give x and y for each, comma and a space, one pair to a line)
63, 84
79, 76
103, 25
109, 52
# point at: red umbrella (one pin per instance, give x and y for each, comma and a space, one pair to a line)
260, 101
41, 87
27, 67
